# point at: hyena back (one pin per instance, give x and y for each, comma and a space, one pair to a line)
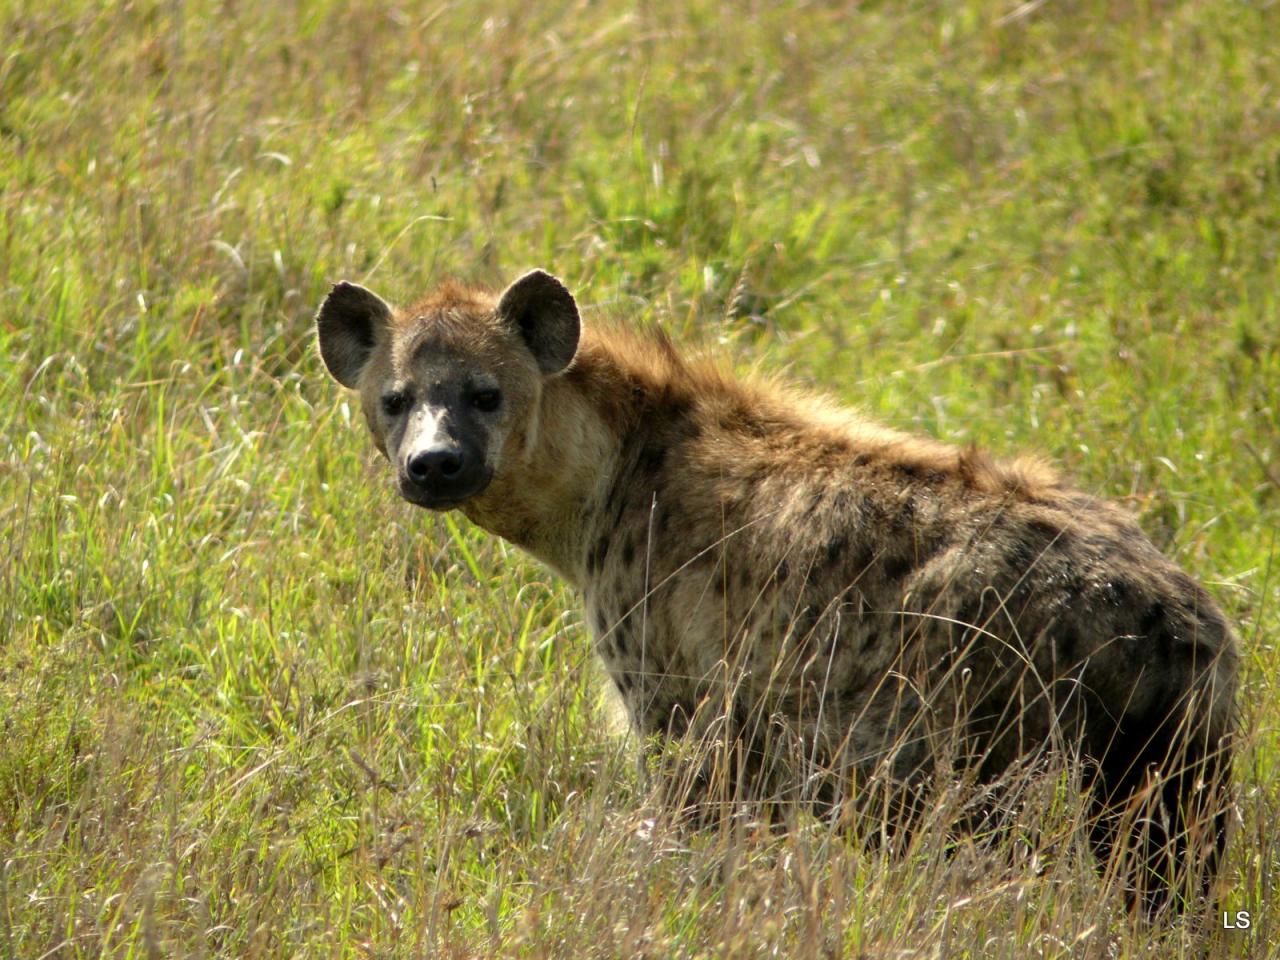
836, 603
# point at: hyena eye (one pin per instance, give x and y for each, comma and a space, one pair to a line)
486, 400
394, 404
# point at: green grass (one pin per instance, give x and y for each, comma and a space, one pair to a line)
254, 706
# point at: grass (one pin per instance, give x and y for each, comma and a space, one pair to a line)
253, 706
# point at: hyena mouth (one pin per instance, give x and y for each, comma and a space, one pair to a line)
442, 500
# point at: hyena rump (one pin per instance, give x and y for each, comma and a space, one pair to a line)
837, 604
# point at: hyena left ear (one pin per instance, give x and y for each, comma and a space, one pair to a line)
543, 310
350, 322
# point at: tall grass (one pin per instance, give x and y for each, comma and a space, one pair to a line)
253, 706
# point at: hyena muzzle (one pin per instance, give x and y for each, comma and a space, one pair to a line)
841, 608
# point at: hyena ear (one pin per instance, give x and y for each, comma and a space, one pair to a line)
543, 310
349, 323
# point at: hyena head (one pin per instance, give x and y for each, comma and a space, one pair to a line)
450, 388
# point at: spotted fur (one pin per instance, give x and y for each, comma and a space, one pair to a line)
835, 603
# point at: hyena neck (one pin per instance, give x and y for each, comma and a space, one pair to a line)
594, 450
548, 501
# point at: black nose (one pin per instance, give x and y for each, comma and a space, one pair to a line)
430, 466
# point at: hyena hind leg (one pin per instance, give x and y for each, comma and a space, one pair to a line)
1160, 821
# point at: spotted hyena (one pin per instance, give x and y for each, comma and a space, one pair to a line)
835, 604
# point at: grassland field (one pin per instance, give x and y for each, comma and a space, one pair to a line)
253, 705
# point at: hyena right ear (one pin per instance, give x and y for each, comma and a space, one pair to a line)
349, 323
542, 309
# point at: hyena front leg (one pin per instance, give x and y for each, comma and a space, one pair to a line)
714, 763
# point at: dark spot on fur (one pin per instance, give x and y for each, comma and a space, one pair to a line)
806, 621
628, 553
835, 549
897, 566
596, 559
624, 681
677, 404
618, 512
1051, 532
1115, 592
870, 641
664, 519
971, 616
1152, 619
1022, 557
1068, 648
863, 557
782, 571
615, 498
1160, 629
906, 515
652, 458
